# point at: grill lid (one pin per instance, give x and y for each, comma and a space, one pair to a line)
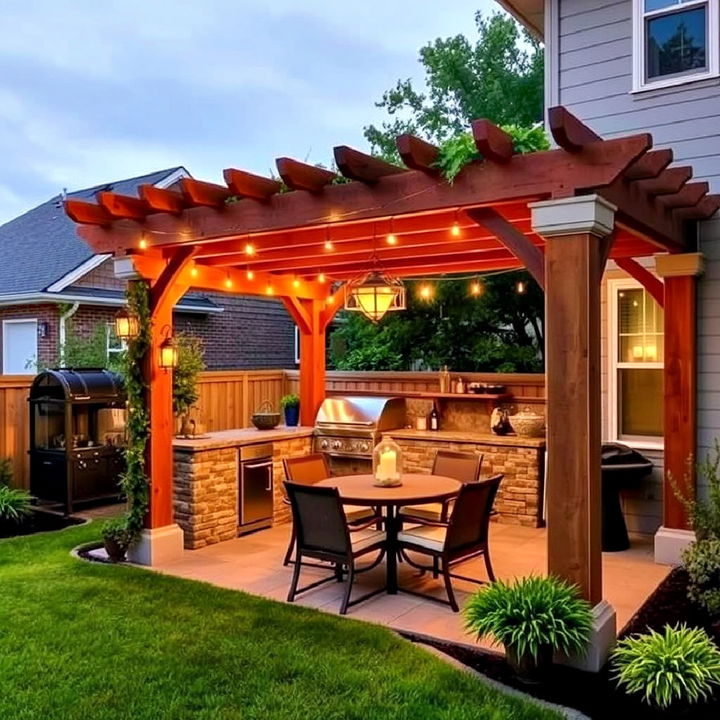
366, 413
78, 385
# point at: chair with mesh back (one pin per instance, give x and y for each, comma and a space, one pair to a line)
323, 533
462, 466
308, 470
463, 537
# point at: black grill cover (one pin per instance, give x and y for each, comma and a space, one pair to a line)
619, 457
82, 385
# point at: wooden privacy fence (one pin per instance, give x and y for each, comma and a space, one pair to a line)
229, 397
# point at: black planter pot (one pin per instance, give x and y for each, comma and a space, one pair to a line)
116, 551
292, 415
530, 670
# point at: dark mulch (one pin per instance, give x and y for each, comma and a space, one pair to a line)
39, 521
595, 694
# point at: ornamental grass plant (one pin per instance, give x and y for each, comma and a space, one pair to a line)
679, 665
531, 614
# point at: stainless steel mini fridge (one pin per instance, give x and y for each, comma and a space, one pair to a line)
255, 497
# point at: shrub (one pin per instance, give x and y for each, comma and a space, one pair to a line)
117, 530
680, 664
531, 613
702, 562
290, 400
6, 472
185, 376
15, 505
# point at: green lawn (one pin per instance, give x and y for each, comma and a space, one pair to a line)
95, 642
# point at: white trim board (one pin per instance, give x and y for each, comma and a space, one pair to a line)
80, 271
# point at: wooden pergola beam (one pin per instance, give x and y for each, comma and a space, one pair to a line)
448, 265
640, 273
356, 165
301, 176
417, 154
247, 185
492, 143
649, 165
199, 192
689, 196
519, 244
568, 132
87, 213
123, 206
704, 210
162, 200
668, 182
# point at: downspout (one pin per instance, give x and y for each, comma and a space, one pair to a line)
62, 331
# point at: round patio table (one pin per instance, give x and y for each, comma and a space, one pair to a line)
416, 489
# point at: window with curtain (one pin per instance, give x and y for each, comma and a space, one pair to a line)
637, 365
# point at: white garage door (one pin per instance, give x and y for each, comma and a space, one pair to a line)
19, 347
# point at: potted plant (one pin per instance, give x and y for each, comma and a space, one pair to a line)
291, 407
116, 538
531, 617
185, 379
672, 670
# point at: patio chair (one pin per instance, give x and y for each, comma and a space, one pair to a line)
462, 466
308, 470
323, 533
463, 537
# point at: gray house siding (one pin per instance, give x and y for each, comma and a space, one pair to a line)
593, 79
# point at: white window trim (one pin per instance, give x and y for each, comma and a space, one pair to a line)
713, 45
109, 328
614, 285
297, 345
15, 321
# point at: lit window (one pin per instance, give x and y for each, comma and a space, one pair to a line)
675, 41
636, 365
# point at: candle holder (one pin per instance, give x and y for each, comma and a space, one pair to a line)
387, 463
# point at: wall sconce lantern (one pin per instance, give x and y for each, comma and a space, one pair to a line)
375, 294
127, 325
168, 352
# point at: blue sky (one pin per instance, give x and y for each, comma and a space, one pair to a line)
97, 91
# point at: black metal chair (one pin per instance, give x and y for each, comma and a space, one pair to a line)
308, 470
323, 533
465, 536
462, 466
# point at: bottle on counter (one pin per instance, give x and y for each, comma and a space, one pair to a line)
444, 380
434, 419
460, 386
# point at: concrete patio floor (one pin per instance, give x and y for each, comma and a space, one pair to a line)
253, 563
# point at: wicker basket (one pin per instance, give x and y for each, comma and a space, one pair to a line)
528, 424
265, 418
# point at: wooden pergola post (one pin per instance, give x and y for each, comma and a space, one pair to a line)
679, 273
574, 229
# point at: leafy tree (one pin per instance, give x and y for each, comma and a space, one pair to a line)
498, 76
191, 363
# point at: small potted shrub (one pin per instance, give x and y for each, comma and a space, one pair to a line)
672, 670
116, 538
531, 617
291, 408
702, 562
15, 508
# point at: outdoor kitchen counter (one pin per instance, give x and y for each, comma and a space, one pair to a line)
205, 487
520, 460
239, 437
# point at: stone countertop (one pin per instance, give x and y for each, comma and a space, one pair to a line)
241, 436
459, 436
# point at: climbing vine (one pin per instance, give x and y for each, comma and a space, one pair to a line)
134, 480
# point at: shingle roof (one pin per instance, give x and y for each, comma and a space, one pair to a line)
40, 246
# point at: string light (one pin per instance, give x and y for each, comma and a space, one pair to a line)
269, 290
321, 277
328, 245
520, 287
296, 282
194, 271
228, 282
426, 291
391, 239
455, 229
249, 249
142, 243
250, 275
477, 287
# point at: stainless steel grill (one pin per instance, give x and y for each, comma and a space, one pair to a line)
351, 426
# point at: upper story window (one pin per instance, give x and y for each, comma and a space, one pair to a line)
675, 41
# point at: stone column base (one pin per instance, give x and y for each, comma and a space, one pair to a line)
669, 544
157, 545
602, 639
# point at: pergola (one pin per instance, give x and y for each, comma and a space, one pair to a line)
560, 213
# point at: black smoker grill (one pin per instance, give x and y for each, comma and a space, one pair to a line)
77, 436
621, 466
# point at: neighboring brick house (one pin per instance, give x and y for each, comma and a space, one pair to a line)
49, 277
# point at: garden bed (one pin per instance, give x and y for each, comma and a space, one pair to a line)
595, 694
39, 521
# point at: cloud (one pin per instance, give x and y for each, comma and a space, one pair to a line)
92, 92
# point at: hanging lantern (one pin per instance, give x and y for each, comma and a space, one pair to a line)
168, 354
127, 325
375, 294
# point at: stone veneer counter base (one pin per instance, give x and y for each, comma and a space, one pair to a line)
521, 460
205, 488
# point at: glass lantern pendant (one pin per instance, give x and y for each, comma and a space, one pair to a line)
127, 325
375, 294
168, 354
387, 463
